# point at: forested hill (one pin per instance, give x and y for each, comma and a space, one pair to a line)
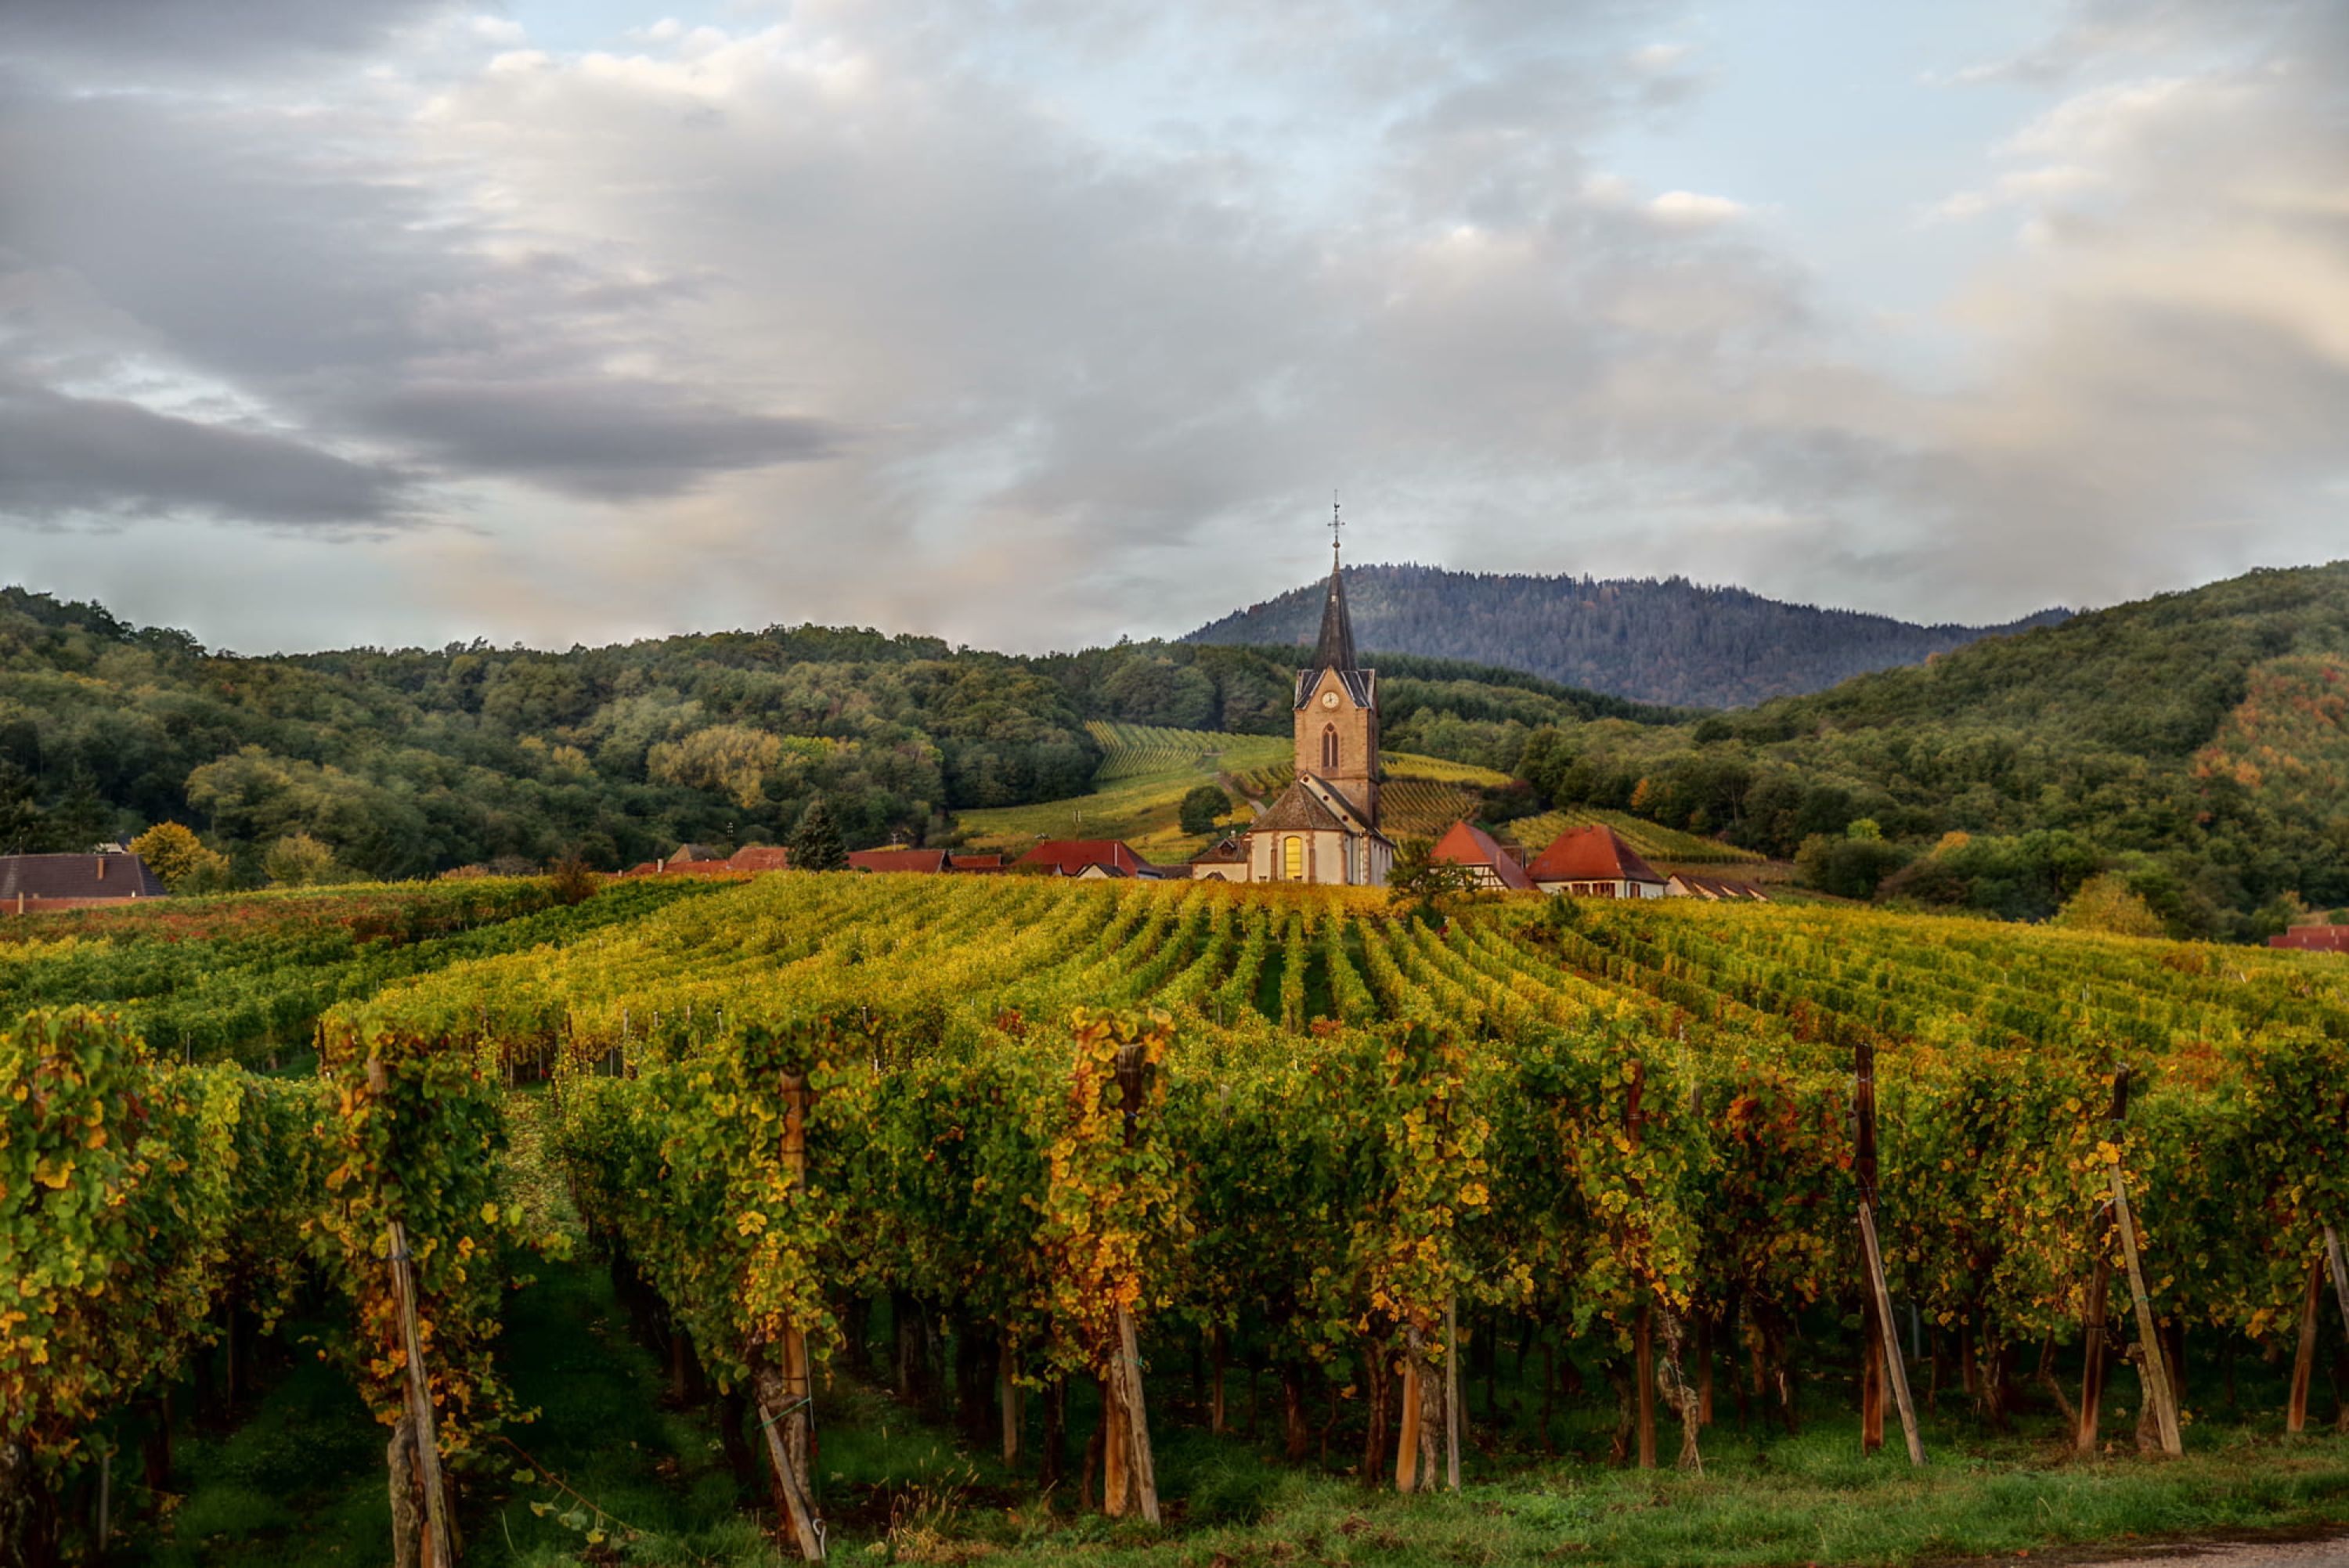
1663, 641
2196, 744
411, 761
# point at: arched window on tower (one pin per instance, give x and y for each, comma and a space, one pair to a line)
1329, 748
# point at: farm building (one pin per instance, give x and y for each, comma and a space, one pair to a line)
1496, 868
1093, 859
1595, 862
31, 883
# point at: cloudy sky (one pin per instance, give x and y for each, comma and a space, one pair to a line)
1034, 322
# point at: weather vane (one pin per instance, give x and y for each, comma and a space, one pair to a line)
1336, 522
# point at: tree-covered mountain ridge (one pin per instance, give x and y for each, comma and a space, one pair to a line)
1660, 640
2196, 743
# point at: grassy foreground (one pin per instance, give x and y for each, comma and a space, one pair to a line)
298, 1480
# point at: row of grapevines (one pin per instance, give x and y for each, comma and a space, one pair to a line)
136, 1198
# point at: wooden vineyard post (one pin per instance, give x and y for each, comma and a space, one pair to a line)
1008, 1396
1218, 1359
1887, 1341
786, 1402
2340, 1267
1427, 1408
1642, 1337
1643, 1357
1406, 1475
2093, 1334
1451, 1393
1871, 1376
2157, 1368
2304, 1365
1141, 1471
1643, 1332
440, 1535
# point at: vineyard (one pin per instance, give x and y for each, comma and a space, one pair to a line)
1016, 1149
1137, 750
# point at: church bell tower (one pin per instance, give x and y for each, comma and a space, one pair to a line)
1337, 709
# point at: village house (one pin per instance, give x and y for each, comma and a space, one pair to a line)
30, 885
1225, 859
1497, 867
922, 861
1595, 862
1094, 860
699, 860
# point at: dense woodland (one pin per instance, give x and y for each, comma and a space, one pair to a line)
410, 762
1667, 641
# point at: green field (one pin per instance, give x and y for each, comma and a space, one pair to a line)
1147, 771
1141, 781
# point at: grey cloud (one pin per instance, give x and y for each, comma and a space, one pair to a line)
604, 439
63, 456
197, 34
294, 255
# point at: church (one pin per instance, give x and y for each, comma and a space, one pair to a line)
1324, 827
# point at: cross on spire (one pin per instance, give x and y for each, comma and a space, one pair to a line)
1335, 649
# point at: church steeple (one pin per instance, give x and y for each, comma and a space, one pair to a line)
1337, 713
1335, 651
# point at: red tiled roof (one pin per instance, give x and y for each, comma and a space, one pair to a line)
1299, 808
975, 863
87, 877
1723, 887
1466, 844
1595, 853
1067, 857
2314, 938
760, 858
642, 869
897, 859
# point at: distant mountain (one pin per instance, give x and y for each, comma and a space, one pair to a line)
1667, 641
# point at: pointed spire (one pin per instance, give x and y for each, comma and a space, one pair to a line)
1335, 651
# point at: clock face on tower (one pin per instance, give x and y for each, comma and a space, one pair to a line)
1329, 699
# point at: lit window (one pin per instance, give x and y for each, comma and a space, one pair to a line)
1292, 858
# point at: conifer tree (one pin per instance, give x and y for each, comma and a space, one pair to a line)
816, 844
